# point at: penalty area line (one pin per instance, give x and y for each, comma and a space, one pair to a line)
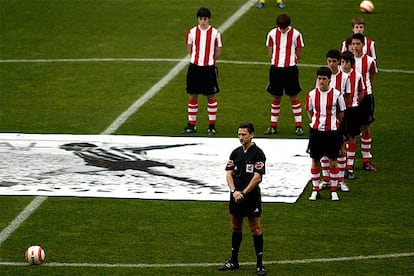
302, 261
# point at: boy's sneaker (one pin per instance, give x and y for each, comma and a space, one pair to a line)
259, 5
261, 271
349, 175
343, 186
211, 129
271, 130
281, 5
229, 265
369, 167
315, 195
189, 129
299, 131
334, 196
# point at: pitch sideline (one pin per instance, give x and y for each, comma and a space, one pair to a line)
281, 262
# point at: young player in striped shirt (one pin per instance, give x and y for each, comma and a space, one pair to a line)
352, 116
367, 66
325, 106
358, 27
339, 81
204, 46
285, 48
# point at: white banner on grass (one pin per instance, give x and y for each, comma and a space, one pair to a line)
145, 167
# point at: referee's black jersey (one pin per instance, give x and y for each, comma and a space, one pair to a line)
245, 164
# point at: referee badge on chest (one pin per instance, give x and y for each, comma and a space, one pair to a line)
249, 168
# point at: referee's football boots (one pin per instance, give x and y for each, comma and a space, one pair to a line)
261, 271
229, 265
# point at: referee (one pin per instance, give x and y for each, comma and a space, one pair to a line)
244, 172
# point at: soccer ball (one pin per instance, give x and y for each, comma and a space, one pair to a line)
35, 255
366, 6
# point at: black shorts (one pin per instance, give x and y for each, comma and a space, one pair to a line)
202, 80
342, 132
367, 107
324, 143
284, 79
352, 121
250, 206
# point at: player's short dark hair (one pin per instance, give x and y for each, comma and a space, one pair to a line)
283, 21
359, 36
348, 40
203, 12
348, 56
248, 125
334, 53
324, 71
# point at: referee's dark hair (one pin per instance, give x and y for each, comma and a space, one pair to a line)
248, 125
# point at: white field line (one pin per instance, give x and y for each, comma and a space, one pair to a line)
281, 262
240, 62
5, 233
21, 218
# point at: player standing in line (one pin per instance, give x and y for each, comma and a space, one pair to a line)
352, 115
285, 48
339, 81
244, 172
358, 27
325, 106
279, 3
367, 66
204, 46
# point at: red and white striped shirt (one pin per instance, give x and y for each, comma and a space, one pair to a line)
203, 45
339, 81
366, 65
325, 106
284, 46
368, 49
356, 87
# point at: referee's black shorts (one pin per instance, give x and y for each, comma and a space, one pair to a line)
202, 80
250, 206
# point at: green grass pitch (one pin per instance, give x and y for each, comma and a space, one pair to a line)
85, 97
